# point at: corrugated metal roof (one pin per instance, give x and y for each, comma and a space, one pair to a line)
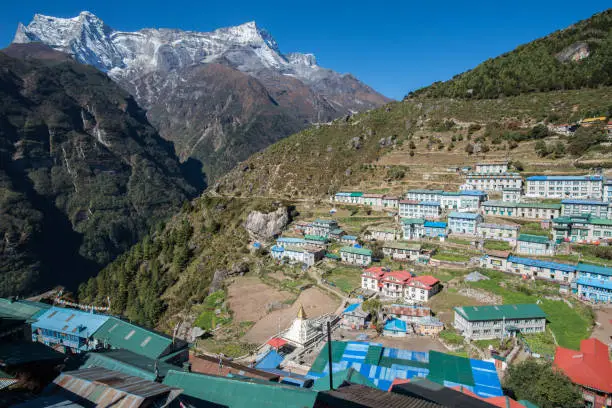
357, 395
319, 238
600, 270
499, 226
239, 393
410, 221
498, 312
542, 264
498, 203
546, 206
465, 215
435, 224
585, 202
566, 177
121, 334
358, 251
473, 193
430, 203
536, 239
396, 325
596, 283
24, 352
351, 308
128, 363
70, 321
402, 245
290, 240
23, 309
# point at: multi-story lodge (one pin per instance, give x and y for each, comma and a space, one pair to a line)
400, 284
574, 187
307, 255
582, 229
402, 251
390, 202
595, 208
419, 209
321, 227
593, 283
492, 182
315, 240
511, 194
490, 322
538, 269
463, 223
468, 200
435, 229
540, 211
67, 330
352, 197
356, 256
291, 241
534, 245
500, 232
379, 233
424, 195
413, 228
492, 168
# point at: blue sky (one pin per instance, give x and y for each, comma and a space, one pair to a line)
394, 48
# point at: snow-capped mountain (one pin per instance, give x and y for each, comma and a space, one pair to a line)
159, 67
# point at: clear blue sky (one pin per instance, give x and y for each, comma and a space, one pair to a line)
394, 48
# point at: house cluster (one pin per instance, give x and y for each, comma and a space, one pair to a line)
498, 321
589, 282
568, 129
400, 285
405, 319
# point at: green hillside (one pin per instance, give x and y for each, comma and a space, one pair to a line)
542, 65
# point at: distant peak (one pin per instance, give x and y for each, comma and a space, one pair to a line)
297, 58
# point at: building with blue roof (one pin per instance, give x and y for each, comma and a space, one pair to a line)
354, 317
435, 229
348, 239
593, 271
565, 186
291, 241
68, 330
464, 223
594, 290
395, 328
593, 208
536, 268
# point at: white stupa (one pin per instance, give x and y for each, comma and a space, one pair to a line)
303, 331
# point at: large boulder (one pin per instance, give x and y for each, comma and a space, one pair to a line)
265, 226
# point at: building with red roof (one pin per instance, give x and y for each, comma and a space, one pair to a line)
400, 285
589, 368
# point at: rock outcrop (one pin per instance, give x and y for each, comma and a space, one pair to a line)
262, 226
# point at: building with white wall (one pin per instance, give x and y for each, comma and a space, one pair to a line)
595, 208
499, 232
511, 194
492, 168
566, 186
419, 209
463, 222
492, 182
496, 321
413, 228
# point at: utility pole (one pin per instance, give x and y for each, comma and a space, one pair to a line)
329, 355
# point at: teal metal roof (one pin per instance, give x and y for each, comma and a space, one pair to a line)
599, 270
537, 239
498, 203
409, 221
128, 363
546, 206
121, 334
350, 375
239, 393
358, 251
22, 309
498, 312
17, 353
318, 238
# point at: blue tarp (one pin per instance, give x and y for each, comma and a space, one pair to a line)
270, 361
396, 325
351, 308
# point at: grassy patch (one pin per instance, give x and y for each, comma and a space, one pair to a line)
227, 347
534, 228
213, 313
541, 343
459, 241
451, 337
345, 278
451, 256
497, 245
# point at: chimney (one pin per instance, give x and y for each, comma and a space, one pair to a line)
187, 366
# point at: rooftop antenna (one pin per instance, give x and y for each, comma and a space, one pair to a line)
329, 356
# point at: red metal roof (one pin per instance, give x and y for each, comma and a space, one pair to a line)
401, 276
276, 342
409, 202
502, 402
427, 280
589, 367
377, 271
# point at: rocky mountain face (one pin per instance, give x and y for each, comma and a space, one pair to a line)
83, 175
219, 96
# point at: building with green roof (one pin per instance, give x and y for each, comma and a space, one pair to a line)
119, 334
413, 228
205, 390
401, 250
495, 321
22, 309
538, 245
128, 363
582, 228
356, 256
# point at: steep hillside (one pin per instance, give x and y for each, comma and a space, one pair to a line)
579, 56
83, 175
417, 139
219, 96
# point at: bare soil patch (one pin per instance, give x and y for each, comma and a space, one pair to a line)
603, 331
249, 298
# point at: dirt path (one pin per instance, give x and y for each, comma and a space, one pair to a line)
315, 303
603, 331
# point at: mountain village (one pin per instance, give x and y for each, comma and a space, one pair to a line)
374, 294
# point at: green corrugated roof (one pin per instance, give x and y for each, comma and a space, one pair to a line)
359, 251
128, 363
498, 312
601, 221
22, 309
498, 203
538, 239
350, 375
121, 334
540, 205
239, 393
408, 221
17, 353
402, 245
445, 367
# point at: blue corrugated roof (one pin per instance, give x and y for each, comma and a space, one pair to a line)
350, 237
542, 264
584, 202
278, 248
600, 270
270, 360
568, 177
396, 325
351, 308
290, 240
430, 203
435, 224
473, 193
70, 321
597, 283
469, 216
